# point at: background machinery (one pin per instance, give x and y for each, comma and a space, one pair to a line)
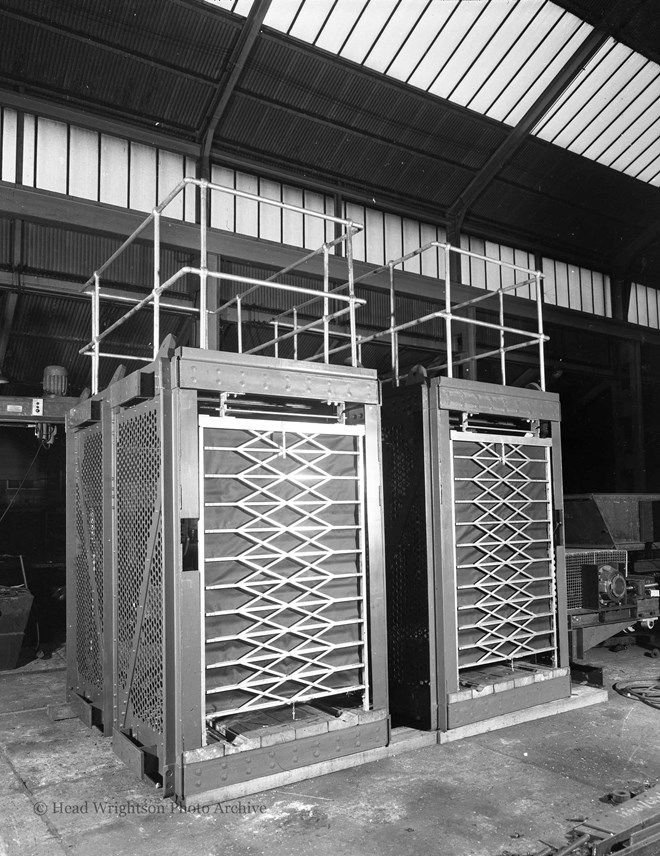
612, 566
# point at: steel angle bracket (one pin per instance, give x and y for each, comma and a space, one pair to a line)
141, 760
90, 714
633, 827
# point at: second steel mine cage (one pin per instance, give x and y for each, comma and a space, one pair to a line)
225, 559
475, 564
476, 583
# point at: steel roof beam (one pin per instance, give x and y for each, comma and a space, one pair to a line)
239, 56
11, 298
506, 150
622, 262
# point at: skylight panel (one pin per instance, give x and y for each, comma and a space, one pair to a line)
338, 27
397, 30
371, 22
310, 20
282, 14
546, 61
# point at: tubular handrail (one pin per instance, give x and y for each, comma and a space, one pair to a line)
450, 316
342, 296
204, 187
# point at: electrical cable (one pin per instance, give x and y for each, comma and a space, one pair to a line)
640, 689
4, 513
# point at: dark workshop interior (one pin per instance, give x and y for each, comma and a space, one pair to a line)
330, 427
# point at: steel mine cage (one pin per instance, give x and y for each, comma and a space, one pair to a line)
477, 623
243, 622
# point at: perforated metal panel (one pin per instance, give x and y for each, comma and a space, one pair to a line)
407, 571
139, 544
284, 564
89, 561
576, 560
505, 566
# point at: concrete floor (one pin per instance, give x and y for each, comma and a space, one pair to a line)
62, 790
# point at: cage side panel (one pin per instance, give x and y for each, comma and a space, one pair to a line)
284, 563
405, 514
87, 565
505, 571
375, 551
139, 597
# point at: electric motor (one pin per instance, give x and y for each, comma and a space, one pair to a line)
611, 584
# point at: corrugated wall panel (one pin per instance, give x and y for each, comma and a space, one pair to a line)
5, 243
62, 252
51, 330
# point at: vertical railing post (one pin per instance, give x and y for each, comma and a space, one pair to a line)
500, 295
394, 336
96, 313
326, 306
450, 367
351, 291
276, 343
239, 324
155, 292
539, 315
203, 265
295, 333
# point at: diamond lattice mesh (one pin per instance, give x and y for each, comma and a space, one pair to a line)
283, 563
89, 558
139, 567
505, 573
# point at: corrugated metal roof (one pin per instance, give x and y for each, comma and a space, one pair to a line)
584, 184
304, 81
194, 41
340, 153
40, 57
639, 29
496, 58
362, 118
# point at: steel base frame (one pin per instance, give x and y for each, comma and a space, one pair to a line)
476, 588
136, 628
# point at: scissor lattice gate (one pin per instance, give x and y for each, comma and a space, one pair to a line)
283, 556
505, 567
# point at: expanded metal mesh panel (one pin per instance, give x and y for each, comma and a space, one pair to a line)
407, 574
284, 564
139, 541
576, 560
505, 570
89, 559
